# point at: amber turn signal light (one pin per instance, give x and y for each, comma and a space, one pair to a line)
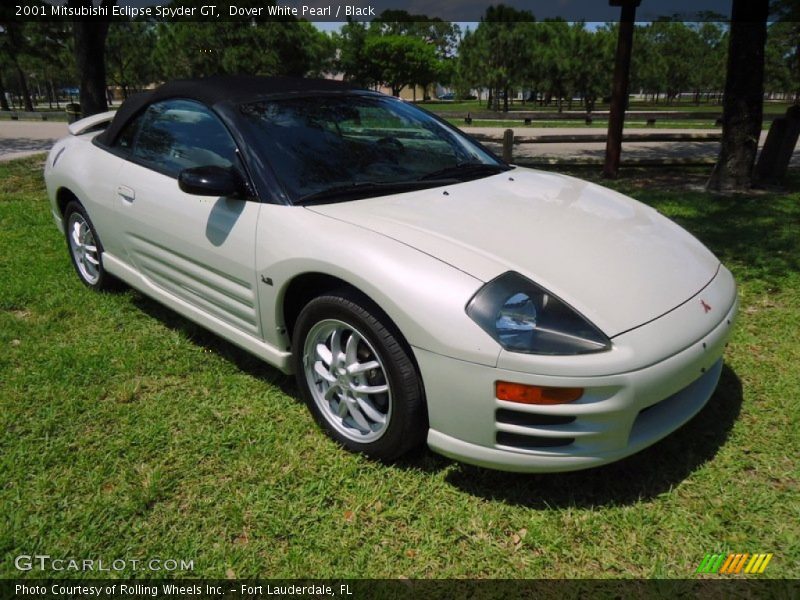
535, 394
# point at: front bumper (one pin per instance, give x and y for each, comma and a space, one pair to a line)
618, 415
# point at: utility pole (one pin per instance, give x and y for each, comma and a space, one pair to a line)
619, 92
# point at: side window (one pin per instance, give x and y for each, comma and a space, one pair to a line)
180, 134
127, 136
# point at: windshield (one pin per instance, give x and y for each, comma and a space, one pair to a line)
329, 146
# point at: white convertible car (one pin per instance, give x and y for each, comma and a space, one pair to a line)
419, 288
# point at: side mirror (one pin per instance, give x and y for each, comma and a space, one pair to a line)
210, 181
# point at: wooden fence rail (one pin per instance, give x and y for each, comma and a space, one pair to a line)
509, 139
528, 117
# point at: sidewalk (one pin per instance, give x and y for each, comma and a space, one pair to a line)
23, 138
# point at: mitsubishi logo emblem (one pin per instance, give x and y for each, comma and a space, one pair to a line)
706, 306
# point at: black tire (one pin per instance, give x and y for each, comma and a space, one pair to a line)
407, 422
104, 280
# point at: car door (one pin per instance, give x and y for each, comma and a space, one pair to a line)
199, 249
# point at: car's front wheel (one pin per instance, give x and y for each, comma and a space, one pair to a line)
357, 376
85, 248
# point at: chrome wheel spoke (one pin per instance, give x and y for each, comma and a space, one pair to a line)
355, 413
324, 354
358, 368
369, 410
347, 380
351, 349
342, 408
336, 344
371, 389
76, 234
83, 248
323, 372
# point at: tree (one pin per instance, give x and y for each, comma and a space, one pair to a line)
592, 53
90, 57
129, 55
648, 66
287, 47
14, 47
398, 61
556, 43
744, 96
710, 61
49, 56
444, 36
679, 48
780, 76
3, 100
784, 38
496, 54
352, 60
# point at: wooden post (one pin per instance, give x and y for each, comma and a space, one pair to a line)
508, 145
619, 92
778, 149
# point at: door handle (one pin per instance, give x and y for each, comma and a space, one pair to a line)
126, 193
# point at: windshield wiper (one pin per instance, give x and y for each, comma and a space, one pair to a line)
466, 169
364, 188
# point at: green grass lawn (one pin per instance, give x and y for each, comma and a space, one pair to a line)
129, 432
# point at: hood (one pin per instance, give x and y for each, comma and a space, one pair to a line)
619, 262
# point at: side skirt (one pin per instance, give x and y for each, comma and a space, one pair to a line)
268, 353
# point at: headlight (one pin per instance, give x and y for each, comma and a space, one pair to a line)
524, 317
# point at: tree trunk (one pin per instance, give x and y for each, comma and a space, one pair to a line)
90, 58
3, 100
90, 45
619, 92
489, 100
505, 100
743, 103
23, 81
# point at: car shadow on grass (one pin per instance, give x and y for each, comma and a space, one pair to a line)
199, 335
641, 477
645, 475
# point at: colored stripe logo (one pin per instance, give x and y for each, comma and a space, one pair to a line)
734, 564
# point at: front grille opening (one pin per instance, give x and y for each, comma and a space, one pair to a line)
512, 417
531, 442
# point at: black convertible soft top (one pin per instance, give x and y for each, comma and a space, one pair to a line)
219, 88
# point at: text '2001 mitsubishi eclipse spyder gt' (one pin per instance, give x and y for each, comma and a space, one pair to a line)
419, 288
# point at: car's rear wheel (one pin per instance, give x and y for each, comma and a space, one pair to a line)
357, 377
85, 248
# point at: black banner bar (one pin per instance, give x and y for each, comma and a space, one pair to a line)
343, 589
